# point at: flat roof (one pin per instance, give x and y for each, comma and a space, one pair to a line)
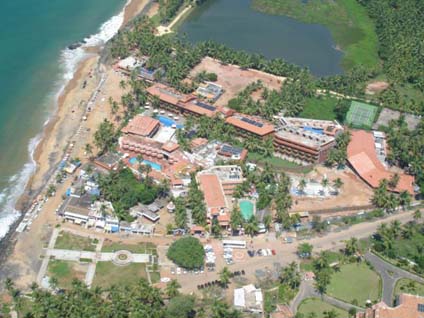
303, 137
362, 156
212, 190
141, 125
252, 124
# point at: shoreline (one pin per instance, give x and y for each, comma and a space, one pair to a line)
52, 137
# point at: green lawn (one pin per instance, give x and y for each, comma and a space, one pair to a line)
69, 241
277, 163
65, 272
317, 306
319, 108
408, 286
140, 248
355, 282
306, 265
108, 274
348, 22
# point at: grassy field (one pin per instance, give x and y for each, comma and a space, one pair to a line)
317, 306
141, 248
66, 271
108, 274
347, 20
355, 282
68, 241
278, 163
319, 108
408, 286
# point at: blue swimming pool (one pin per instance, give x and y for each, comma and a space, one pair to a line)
168, 122
154, 165
318, 131
247, 209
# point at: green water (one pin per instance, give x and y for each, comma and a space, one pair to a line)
33, 36
246, 209
236, 24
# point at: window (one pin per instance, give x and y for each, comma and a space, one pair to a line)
421, 307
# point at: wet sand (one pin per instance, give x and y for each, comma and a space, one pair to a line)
20, 253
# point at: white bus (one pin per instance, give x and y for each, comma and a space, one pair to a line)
234, 244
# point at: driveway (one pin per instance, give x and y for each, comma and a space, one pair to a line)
390, 274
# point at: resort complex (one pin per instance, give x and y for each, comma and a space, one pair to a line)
188, 179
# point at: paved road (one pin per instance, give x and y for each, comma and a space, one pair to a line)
286, 253
307, 290
390, 274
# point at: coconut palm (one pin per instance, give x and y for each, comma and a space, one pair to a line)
172, 287
351, 246
324, 184
337, 184
225, 276
301, 186
417, 215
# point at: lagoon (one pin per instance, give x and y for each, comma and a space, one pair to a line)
236, 24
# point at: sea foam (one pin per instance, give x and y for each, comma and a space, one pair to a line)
69, 61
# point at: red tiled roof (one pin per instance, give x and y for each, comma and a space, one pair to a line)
141, 126
170, 147
211, 188
363, 158
237, 121
197, 142
192, 107
407, 308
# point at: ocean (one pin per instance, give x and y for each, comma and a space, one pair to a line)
35, 65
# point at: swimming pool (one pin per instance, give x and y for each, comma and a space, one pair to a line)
168, 122
247, 209
314, 130
154, 165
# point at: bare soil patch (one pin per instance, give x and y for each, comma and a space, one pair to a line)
233, 79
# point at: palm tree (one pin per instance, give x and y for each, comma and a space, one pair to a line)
88, 149
172, 287
417, 215
290, 276
122, 84
351, 246
224, 276
337, 184
9, 285
405, 199
301, 186
324, 184
251, 227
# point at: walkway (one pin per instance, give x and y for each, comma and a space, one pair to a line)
390, 274
76, 256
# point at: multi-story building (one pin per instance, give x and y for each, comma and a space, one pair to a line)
250, 126
306, 140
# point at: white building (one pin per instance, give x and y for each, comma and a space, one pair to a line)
248, 298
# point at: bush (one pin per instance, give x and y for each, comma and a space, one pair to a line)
187, 252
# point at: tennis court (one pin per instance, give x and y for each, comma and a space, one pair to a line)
361, 114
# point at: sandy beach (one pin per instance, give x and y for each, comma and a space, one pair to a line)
71, 124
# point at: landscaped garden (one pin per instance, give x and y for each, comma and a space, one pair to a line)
317, 306
108, 274
408, 286
69, 241
64, 272
355, 283
140, 248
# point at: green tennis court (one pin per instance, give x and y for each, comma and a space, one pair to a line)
361, 114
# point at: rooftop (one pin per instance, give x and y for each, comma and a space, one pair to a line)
251, 124
409, 306
212, 190
141, 126
303, 137
362, 156
327, 127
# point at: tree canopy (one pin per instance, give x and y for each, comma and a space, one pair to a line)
187, 252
